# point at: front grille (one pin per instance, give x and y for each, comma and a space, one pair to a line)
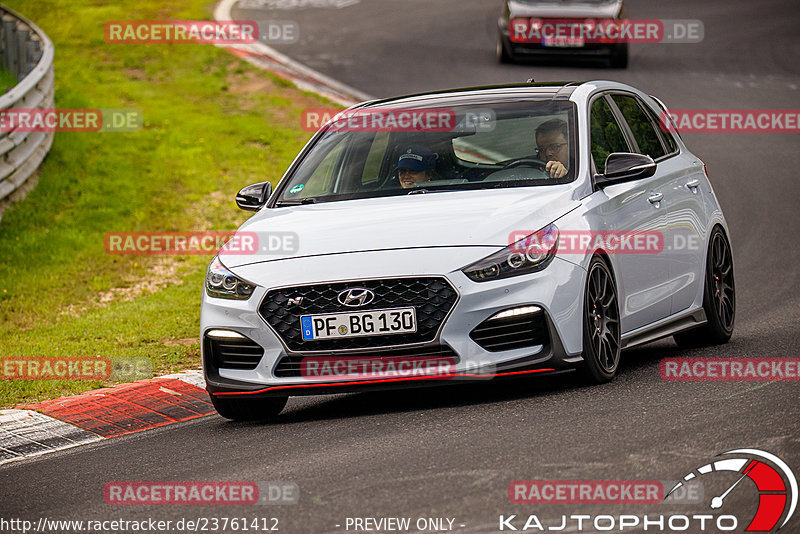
290, 366
432, 297
510, 333
228, 353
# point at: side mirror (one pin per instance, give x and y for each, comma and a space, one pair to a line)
624, 167
253, 197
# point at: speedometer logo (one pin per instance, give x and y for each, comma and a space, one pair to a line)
776, 484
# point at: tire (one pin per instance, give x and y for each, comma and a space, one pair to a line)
238, 409
601, 328
502, 53
719, 297
619, 57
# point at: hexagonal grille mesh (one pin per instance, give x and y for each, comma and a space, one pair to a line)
432, 297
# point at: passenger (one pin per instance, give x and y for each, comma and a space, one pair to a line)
415, 165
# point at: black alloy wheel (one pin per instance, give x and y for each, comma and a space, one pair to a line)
601, 328
719, 296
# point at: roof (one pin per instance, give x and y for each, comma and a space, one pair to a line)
483, 94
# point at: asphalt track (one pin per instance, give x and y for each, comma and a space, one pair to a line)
452, 452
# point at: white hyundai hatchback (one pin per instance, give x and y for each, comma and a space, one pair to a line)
465, 235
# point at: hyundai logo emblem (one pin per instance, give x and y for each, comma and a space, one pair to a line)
355, 297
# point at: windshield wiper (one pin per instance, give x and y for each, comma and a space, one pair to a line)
296, 202
422, 190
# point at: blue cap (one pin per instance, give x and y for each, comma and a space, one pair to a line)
417, 158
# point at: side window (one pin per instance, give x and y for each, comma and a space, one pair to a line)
320, 180
639, 123
606, 134
377, 152
666, 135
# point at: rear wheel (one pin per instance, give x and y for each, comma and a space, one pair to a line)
601, 330
239, 409
719, 297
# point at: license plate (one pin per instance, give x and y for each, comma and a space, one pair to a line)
563, 42
357, 324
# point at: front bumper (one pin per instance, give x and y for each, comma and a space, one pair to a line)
522, 50
557, 290
537, 50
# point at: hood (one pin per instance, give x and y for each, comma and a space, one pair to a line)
444, 219
565, 9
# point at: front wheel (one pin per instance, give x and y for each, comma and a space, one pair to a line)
619, 57
601, 330
243, 409
719, 297
502, 54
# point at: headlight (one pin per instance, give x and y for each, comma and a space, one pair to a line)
528, 255
222, 283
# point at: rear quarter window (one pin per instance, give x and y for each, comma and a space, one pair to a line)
641, 126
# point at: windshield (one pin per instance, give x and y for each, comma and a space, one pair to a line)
394, 151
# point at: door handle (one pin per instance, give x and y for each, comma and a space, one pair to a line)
655, 198
693, 184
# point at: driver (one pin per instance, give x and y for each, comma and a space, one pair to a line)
415, 165
552, 146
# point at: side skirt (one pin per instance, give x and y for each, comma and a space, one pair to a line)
665, 328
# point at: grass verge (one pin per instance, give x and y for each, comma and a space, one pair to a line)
7, 80
212, 124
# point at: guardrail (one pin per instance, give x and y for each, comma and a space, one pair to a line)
27, 53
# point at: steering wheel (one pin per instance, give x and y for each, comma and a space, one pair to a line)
530, 162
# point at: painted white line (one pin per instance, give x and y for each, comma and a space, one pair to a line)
25, 433
324, 85
193, 377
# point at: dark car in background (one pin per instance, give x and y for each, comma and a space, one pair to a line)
537, 17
